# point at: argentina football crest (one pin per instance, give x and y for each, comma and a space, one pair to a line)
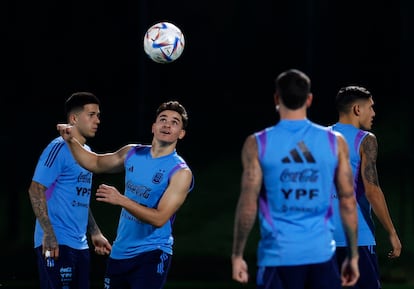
157, 178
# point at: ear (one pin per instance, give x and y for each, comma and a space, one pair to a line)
309, 100
72, 119
276, 98
182, 134
356, 109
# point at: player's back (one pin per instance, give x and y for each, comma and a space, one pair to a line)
298, 160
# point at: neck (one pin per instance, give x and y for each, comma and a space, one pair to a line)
345, 119
298, 114
159, 149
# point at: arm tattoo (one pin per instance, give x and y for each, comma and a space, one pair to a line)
92, 226
38, 200
370, 149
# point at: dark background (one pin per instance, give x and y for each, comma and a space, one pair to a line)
225, 79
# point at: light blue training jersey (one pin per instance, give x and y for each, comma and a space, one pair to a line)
366, 227
146, 179
68, 194
298, 159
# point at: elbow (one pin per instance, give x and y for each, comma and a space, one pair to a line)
152, 217
158, 223
348, 205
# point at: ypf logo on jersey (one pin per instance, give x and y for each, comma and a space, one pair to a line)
302, 175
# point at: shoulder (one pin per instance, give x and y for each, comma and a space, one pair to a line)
181, 168
184, 177
56, 146
331, 132
369, 143
337, 134
56, 153
340, 138
341, 142
370, 137
131, 149
135, 147
250, 143
184, 171
250, 149
179, 160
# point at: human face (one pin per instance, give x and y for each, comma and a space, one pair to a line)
366, 113
87, 120
168, 127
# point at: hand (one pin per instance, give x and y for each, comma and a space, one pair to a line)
240, 269
102, 245
50, 247
108, 194
350, 272
396, 247
64, 130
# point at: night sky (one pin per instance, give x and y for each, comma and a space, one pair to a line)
225, 79
225, 76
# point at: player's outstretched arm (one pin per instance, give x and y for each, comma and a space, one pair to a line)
97, 163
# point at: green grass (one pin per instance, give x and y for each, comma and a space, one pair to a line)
30, 284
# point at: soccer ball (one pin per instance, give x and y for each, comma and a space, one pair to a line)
164, 42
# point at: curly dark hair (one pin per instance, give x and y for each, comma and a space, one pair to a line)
175, 106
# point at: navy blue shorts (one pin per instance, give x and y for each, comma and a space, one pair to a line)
69, 271
369, 277
311, 276
148, 270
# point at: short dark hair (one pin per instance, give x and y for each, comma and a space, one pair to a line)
77, 100
175, 106
293, 87
347, 95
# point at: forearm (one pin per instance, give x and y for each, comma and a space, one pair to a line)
380, 208
244, 222
85, 158
147, 215
350, 223
38, 201
92, 228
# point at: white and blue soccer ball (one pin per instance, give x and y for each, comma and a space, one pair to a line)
164, 42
